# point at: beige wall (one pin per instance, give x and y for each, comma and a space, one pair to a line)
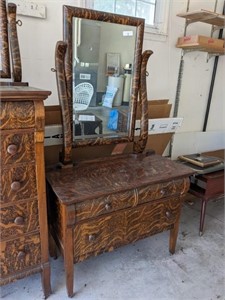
37, 44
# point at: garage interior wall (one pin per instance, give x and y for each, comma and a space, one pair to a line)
38, 37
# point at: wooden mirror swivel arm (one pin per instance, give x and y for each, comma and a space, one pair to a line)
4, 51
60, 52
139, 146
14, 43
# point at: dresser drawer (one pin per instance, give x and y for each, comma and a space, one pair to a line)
18, 183
162, 190
19, 254
18, 219
15, 115
17, 148
103, 205
111, 231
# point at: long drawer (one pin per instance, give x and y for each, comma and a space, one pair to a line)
18, 254
18, 219
113, 202
119, 228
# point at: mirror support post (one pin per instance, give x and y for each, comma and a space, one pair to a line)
14, 44
139, 146
60, 52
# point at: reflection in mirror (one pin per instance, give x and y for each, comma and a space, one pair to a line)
103, 60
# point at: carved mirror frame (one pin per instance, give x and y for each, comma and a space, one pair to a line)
64, 76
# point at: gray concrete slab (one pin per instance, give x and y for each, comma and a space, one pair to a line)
145, 270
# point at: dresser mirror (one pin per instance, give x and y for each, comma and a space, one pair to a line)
101, 72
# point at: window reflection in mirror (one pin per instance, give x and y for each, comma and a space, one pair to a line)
103, 59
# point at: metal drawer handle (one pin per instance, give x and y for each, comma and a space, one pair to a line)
19, 221
21, 255
168, 214
108, 206
15, 185
12, 149
91, 237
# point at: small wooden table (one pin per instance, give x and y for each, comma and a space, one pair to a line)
207, 187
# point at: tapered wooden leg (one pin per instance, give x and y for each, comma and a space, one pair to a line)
45, 279
202, 216
173, 238
69, 268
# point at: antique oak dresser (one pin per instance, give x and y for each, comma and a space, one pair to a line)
23, 215
102, 204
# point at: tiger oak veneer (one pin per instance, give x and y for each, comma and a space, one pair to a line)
23, 215
99, 205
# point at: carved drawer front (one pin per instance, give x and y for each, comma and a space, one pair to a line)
18, 219
17, 148
16, 115
19, 254
18, 183
103, 205
98, 235
162, 190
108, 232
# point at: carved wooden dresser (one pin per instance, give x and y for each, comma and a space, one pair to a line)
99, 205
23, 216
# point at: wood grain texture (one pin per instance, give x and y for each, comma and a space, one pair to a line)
114, 230
16, 115
24, 231
4, 49
25, 175
27, 211
104, 176
14, 43
24, 144
140, 145
19, 254
68, 13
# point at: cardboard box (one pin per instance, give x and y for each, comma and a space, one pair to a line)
156, 109
200, 41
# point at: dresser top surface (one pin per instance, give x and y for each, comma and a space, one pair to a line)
25, 92
88, 180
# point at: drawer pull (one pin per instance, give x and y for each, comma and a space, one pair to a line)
12, 149
108, 206
168, 214
19, 221
15, 185
162, 192
91, 237
21, 255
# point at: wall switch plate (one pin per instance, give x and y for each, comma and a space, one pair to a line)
30, 9
163, 125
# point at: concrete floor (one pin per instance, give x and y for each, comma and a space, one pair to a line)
145, 270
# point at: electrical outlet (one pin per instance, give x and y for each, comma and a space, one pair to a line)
31, 9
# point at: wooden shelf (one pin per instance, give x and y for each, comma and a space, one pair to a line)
216, 51
204, 16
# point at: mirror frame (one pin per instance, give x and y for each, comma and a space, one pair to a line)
4, 41
64, 77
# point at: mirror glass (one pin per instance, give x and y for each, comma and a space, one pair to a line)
102, 70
